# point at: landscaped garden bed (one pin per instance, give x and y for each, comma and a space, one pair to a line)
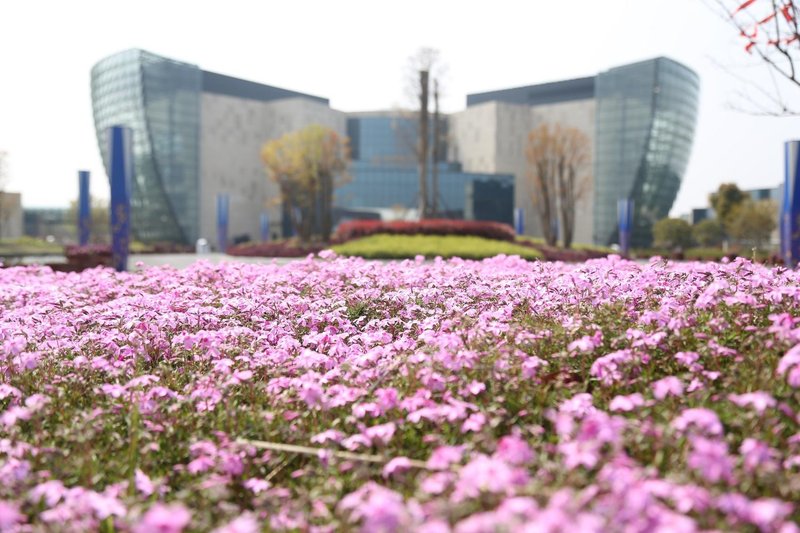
388, 246
343, 394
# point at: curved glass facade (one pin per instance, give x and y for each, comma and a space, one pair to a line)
159, 99
645, 121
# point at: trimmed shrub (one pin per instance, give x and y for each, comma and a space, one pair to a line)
356, 229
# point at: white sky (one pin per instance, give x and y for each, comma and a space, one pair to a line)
355, 52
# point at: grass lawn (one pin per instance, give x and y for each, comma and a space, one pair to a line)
28, 246
409, 246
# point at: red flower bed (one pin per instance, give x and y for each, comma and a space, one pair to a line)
88, 256
479, 228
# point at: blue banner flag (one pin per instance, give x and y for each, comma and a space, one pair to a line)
223, 204
84, 209
790, 207
625, 220
519, 220
121, 165
264, 226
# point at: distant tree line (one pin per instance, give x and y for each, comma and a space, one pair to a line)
739, 219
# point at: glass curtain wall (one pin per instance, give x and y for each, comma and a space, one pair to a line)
159, 99
646, 115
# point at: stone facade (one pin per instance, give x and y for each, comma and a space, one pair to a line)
232, 132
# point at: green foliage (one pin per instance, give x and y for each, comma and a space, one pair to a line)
306, 164
672, 233
751, 223
100, 229
725, 200
409, 246
708, 232
28, 246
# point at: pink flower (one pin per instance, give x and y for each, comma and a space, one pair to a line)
201, 464
485, 474
396, 466
387, 399
105, 506
114, 390
381, 434
378, 509
608, 368
13, 414
256, 485
35, 402
330, 435
668, 386
514, 450
246, 523
580, 453
474, 423
231, 464
687, 359
476, 387
312, 394
758, 400
767, 513
443, 456
710, 458
9, 516
143, 483
757, 455
437, 482
162, 518
587, 343
704, 420
789, 360
531, 366
626, 403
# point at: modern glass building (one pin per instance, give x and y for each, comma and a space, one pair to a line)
646, 115
173, 109
197, 134
159, 99
384, 173
639, 117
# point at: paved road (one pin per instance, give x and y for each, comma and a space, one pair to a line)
184, 260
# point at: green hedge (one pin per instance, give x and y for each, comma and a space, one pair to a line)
409, 246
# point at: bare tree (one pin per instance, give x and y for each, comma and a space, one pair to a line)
558, 163
435, 152
3, 183
424, 67
769, 32
573, 176
422, 144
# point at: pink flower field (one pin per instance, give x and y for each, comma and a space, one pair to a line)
339, 394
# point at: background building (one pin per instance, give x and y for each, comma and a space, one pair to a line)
197, 133
384, 174
11, 218
640, 119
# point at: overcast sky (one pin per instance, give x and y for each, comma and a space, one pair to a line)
355, 53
